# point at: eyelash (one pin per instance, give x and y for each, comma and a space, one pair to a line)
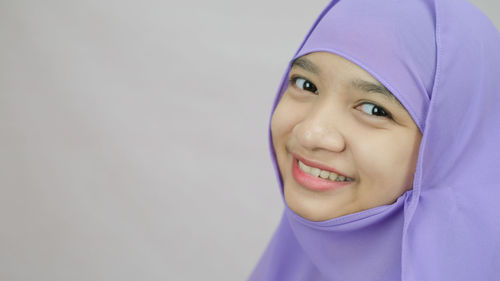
375, 106
293, 82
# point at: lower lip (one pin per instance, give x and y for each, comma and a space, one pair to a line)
314, 183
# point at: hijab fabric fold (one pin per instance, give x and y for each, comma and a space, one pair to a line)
441, 59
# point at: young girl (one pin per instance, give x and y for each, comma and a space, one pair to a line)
385, 137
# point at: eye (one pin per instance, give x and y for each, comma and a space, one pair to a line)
373, 109
304, 84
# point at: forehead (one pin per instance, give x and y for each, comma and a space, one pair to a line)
326, 62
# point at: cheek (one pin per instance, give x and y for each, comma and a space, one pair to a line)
281, 126
282, 121
388, 161
372, 158
277, 125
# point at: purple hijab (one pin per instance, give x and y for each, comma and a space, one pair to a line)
441, 59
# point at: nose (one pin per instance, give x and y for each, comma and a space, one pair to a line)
321, 129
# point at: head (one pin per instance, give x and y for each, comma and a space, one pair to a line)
343, 142
440, 59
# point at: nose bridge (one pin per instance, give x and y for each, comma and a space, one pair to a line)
321, 128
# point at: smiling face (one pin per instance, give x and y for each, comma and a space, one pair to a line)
343, 143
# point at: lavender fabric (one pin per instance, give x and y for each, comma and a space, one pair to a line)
441, 59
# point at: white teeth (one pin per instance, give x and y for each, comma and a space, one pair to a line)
315, 172
322, 173
304, 168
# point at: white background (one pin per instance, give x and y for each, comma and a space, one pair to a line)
133, 135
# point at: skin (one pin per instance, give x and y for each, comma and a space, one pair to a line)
336, 114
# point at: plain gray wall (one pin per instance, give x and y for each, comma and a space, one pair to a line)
133, 135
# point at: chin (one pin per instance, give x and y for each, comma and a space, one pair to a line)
312, 208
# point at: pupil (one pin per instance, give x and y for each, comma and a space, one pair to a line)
378, 111
308, 86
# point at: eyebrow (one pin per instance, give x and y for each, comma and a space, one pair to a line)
374, 87
306, 65
363, 85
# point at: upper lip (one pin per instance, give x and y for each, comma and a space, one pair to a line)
315, 164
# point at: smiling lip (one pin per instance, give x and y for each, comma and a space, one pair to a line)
314, 183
